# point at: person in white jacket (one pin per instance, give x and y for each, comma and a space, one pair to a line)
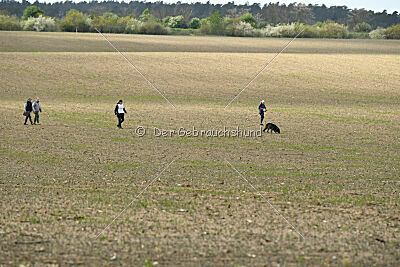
36, 109
119, 112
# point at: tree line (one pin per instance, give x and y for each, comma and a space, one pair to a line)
271, 13
34, 18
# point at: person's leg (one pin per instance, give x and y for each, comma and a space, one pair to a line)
38, 117
26, 119
122, 120
262, 118
119, 120
35, 118
30, 118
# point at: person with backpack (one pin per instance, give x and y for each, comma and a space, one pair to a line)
261, 109
119, 112
36, 109
28, 110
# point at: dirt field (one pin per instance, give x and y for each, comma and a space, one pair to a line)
333, 172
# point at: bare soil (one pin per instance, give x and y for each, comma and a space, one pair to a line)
332, 173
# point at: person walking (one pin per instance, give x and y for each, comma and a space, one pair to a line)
28, 110
120, 112
36, 109
261, 109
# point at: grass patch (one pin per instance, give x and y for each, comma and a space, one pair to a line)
119, 166
28, 155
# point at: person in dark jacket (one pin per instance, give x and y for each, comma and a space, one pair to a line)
27, 111
261, 109
119, 112
36, 109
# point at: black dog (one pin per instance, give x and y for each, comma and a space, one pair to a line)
272, 127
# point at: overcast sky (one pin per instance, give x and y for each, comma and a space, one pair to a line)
376, 5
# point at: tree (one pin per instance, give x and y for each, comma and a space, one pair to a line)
8, 23
379, 33
176, 22
274, 13
146, 16
40, 24
74, 21
248, 18
194, 23
216, 23
363, 27
32, 11
331, 29
358, 16
301, 13
165, 20
393, 32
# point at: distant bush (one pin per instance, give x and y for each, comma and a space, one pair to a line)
32, 11
330, 29
165, 20
248, 18
312, 31
146, 16
176, 22
378, 34
9, 23
75, 21
283, 30
393, 32
152, 27
230, 25
40, 24
133, 26
179, 31
245, 25
244, 29
214, 24
358, 35
109, 22
195, 23
363, 27
205, 26
262, 24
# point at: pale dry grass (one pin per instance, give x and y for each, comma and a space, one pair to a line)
93, 42
293, 79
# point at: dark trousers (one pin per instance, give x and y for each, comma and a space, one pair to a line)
36, 119
120, 119
28, 116
262, 117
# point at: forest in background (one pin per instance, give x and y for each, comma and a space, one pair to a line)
271, 13
271, 20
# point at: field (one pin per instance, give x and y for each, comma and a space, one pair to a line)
333, 172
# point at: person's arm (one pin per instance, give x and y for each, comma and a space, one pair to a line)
25, 107
40, 108
116, 110
125, 110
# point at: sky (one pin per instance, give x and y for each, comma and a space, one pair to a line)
376, 5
